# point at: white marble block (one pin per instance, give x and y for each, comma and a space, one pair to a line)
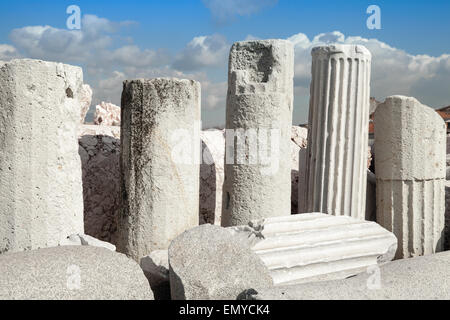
315, 246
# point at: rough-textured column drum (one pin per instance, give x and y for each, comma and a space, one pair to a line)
260, 102
41, 193
338, 130
410, 163
159, 192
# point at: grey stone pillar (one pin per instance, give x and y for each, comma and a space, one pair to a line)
410, 164
259, 115
160, 163
41, 193
338, 130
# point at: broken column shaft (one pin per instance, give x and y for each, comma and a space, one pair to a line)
410, 164
41, 194
259, 114
160, 163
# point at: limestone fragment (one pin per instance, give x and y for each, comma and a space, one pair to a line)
107, 114
209, 263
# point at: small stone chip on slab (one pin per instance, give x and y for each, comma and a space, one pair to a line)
209, 263
315, 246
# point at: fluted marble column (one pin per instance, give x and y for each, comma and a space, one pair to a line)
410, 163
338, 130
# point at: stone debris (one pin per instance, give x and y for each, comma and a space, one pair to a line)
259, 103
410, 143
159, 186
338, 130
100, 153
209, 263
315, 246
421, 278
85, 101
41, 195
156, 269
71, 273
107, 114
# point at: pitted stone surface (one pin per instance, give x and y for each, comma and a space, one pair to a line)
209, 263
41, 196
260, 98
71, 273
159, 189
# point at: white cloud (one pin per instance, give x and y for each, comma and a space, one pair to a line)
394, 71
204, 51
225, 10
8, 52
107, 62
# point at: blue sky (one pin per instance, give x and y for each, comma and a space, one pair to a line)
128, 39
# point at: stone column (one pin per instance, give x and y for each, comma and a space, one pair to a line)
259, 115
41, 195
160, 163
338, 130
410, 163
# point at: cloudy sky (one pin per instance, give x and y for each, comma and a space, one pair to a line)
121, 40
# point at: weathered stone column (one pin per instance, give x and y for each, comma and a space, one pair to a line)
160, 163
41, 195
338, 130
259, 115
410, 163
